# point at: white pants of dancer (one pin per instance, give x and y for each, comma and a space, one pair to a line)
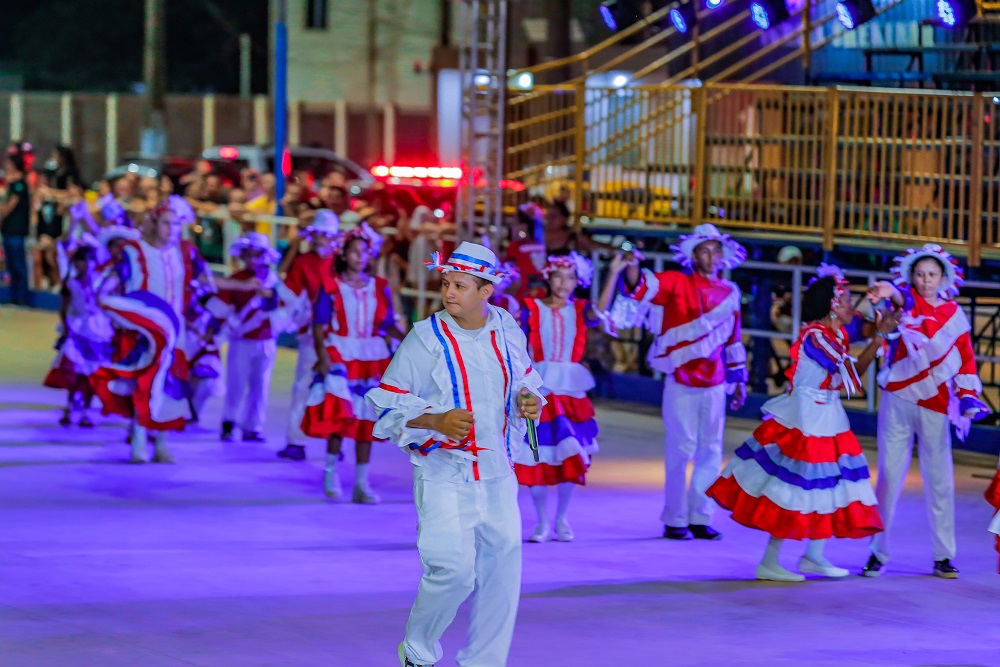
695, 421
248, 376
898, 422
469, 539
304, 365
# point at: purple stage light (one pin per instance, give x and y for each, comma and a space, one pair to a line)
759, 15
608, 14
768, 13
853, 13
946, 13
678, 21
956, 13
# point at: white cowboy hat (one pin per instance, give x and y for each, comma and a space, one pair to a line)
733, 254
115, 232
470, 258
326, 222
255, 241
954, 276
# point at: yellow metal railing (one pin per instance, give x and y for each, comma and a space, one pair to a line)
841, 166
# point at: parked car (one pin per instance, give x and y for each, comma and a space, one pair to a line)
151, 167
230, 159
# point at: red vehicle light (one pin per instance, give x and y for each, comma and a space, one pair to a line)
229, 152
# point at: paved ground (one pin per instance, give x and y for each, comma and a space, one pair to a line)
232, 558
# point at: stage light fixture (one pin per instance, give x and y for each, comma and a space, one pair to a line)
609, 12
956, 13
684, 17
853, 13
713, 4
768, 13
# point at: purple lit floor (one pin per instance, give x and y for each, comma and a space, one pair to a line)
233, 558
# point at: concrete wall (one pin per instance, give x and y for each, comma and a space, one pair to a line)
325, 65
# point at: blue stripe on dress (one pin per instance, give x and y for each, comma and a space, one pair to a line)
802, 474
819, 354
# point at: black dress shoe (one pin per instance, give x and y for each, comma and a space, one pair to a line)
705, 533
253, 436
945, 570
873, 568
672, 533
227, 432
293, 452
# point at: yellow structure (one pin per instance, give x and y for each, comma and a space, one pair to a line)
840, 166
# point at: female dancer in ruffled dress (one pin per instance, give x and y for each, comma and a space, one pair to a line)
802, 474
556, 327
352, 316
85, 342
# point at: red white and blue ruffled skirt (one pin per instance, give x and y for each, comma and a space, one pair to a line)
798, 482
567, 429
336, 404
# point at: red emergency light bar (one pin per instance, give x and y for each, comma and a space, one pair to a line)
435, 177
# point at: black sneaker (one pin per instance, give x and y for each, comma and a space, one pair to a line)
252, 436
945, 570
293, 452
227, 432
672, 533
705, 533
873, 568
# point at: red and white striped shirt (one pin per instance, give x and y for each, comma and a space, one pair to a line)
946, 362
253, 312
697, 325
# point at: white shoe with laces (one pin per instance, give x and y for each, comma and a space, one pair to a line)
809, 566
365, 496
563, 532
777, 573
543, 533
331, 484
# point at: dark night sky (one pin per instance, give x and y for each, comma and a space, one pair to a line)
96, 45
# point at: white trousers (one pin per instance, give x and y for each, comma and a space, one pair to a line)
469, 539
304, 366
248, 379
695, 421
898, 422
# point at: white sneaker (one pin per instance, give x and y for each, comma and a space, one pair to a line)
140, 452
543, 533
810, 566
777, 573
160, 452
563, 532
364, 496
331, 484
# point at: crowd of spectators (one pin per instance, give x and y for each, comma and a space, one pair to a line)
38, 198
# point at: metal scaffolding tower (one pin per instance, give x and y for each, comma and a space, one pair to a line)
483, 65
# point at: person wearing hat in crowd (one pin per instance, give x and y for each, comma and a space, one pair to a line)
352, 316
929, 381
695, 316
253, 343
556, 328
148, 380
455, 397
802, 474
304, 279
500, 298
